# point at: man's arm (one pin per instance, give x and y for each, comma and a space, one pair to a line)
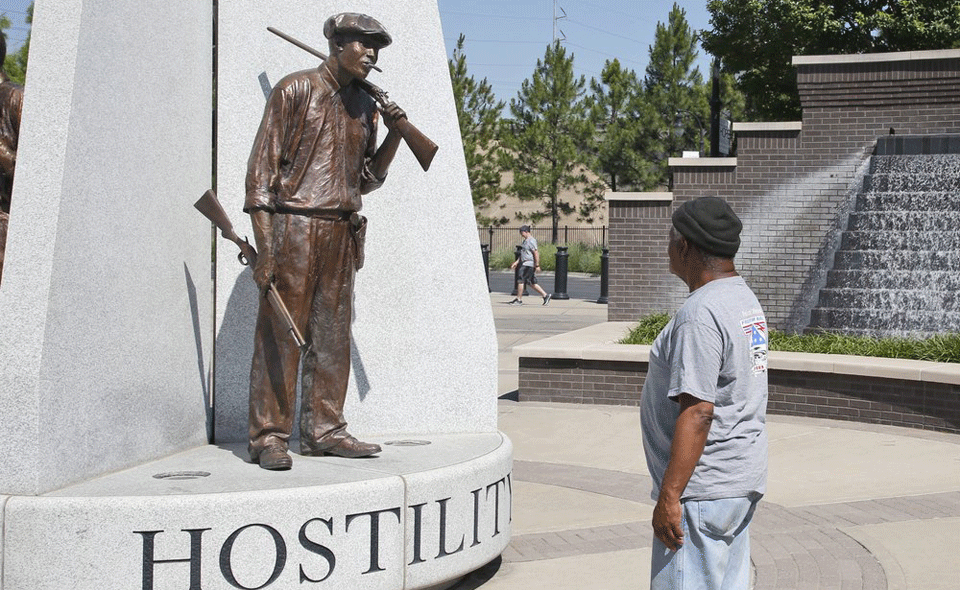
388, 149
265, 271
8, 159
8, 145
689, 439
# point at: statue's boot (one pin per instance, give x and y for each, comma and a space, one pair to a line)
274, 458
347, 446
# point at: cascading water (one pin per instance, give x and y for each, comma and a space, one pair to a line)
897, 272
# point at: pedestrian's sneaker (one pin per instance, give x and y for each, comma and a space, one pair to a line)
546, 298
516, 302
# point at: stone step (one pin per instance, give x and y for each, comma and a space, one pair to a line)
885, 321
892, 260
926, 221
935, 280
911, 182
917, 144
908, 201
944, 164
901, 240
890, 299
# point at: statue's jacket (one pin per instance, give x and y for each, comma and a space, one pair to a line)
313, 150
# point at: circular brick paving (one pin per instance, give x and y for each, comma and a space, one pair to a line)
802, 547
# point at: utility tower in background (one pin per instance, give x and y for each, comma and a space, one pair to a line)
556, 19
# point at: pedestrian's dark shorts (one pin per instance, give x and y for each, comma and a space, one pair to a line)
528, 275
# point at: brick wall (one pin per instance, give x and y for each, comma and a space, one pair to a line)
639, 270
874, 400
791, 185
579, 381
896, 402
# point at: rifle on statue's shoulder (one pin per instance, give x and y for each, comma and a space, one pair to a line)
211, 208
422, 146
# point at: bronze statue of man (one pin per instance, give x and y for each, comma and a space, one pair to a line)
11, 106
315, 154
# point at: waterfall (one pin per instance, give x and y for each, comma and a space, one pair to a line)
897, 270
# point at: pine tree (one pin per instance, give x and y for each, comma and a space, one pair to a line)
548, 137
674, 89
615, 110
15, 64
478, 112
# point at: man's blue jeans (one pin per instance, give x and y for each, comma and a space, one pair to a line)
716, 548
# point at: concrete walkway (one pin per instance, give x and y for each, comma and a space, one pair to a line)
849, 506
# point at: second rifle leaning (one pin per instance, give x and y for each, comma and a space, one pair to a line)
211, 208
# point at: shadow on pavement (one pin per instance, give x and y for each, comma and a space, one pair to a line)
480, 576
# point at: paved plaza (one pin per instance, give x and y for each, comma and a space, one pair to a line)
849, 506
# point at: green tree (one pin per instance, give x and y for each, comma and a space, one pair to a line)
756, 40
478, 112
679, 113
914, 25
548, 137
15, 64
614, 110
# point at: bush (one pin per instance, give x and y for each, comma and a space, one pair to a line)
502, 259
548, 257
585, 259
582, 258
647, 329
941, 348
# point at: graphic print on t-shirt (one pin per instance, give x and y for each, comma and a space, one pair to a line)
755, 328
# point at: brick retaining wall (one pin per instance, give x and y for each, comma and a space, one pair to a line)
874, 400
588, 366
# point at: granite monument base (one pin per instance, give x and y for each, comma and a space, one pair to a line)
424, 513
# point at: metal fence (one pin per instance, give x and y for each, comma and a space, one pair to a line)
507, 238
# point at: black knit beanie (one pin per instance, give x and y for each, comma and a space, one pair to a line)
710, 224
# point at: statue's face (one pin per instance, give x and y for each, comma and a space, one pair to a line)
357, 55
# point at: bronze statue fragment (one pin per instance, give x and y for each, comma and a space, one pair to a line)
11, 106
314, 155
210, 206
422, 146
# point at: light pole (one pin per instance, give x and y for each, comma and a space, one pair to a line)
678, 125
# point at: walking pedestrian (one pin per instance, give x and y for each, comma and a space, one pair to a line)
529, 262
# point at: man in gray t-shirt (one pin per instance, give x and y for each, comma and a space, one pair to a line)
703, 409
529, 262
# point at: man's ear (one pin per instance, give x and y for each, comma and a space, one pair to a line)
683, 246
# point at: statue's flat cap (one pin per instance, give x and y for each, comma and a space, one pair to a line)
711, 224
353, 23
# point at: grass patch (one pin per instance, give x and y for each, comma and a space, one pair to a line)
581, 258
941, 348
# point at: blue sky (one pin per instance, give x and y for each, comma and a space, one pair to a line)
16, 11
504, 38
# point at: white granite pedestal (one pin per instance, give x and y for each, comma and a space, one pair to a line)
424, 513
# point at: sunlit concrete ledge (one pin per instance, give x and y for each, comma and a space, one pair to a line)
767, 126
799, 60
588, 366
600, 342
702, 162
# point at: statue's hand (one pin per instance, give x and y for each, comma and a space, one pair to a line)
391, 114
265, 272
